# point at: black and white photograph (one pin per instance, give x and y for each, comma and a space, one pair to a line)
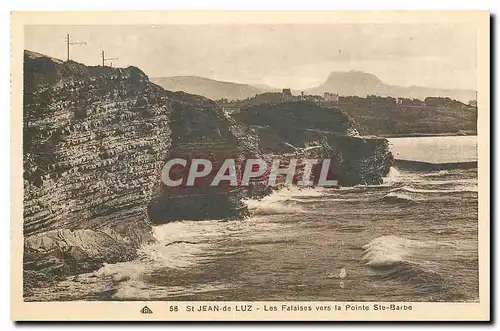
327, 161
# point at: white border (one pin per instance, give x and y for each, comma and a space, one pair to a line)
184, 5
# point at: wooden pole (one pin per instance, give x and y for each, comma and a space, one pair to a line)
67, 46
69, 43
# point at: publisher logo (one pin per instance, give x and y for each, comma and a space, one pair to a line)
146, 310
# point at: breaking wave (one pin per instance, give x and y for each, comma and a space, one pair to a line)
392, 177
178, 246
412, 262
387, 250
398, 197
440, 173
456, 189
283, 201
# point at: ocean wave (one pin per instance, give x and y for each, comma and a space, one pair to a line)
411, 261
178, 245
456, 189
392, 177
296, 191
283, 201
447, 182
387, 250
398, 197
440, 173
182, 246
361, 188
390, 250
262, 207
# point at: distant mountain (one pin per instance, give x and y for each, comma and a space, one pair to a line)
266, 88
350, 83
361, 84
209, 88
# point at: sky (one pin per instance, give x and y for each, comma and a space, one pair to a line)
296, 55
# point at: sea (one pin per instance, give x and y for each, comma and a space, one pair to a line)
412, 238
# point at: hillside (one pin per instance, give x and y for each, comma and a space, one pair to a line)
351, 83
357, 83
209, 88
376, 115
383, 116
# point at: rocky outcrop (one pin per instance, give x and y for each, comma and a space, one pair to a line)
95, 140
311, 131
388, 116
200, 130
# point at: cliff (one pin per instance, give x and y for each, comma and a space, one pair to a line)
384, 116
311, 131
96, 138
200, 130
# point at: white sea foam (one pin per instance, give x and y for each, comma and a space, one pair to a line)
393, 176
440, 173
266, 207
458, 188
283, 201
388, 250
385, 250
178, 245
397, 196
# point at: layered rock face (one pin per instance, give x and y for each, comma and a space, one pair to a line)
200, 130
311, 131
94, 142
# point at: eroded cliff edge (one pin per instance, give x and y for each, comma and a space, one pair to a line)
95, 140
307, 130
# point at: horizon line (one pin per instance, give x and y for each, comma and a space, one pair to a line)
254, 84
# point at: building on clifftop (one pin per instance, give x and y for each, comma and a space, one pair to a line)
286, 95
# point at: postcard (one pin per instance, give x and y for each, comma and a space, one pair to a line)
250, 166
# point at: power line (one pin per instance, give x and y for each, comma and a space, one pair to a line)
104, 59
69, 43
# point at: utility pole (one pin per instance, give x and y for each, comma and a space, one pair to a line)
69, 43
104, 59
